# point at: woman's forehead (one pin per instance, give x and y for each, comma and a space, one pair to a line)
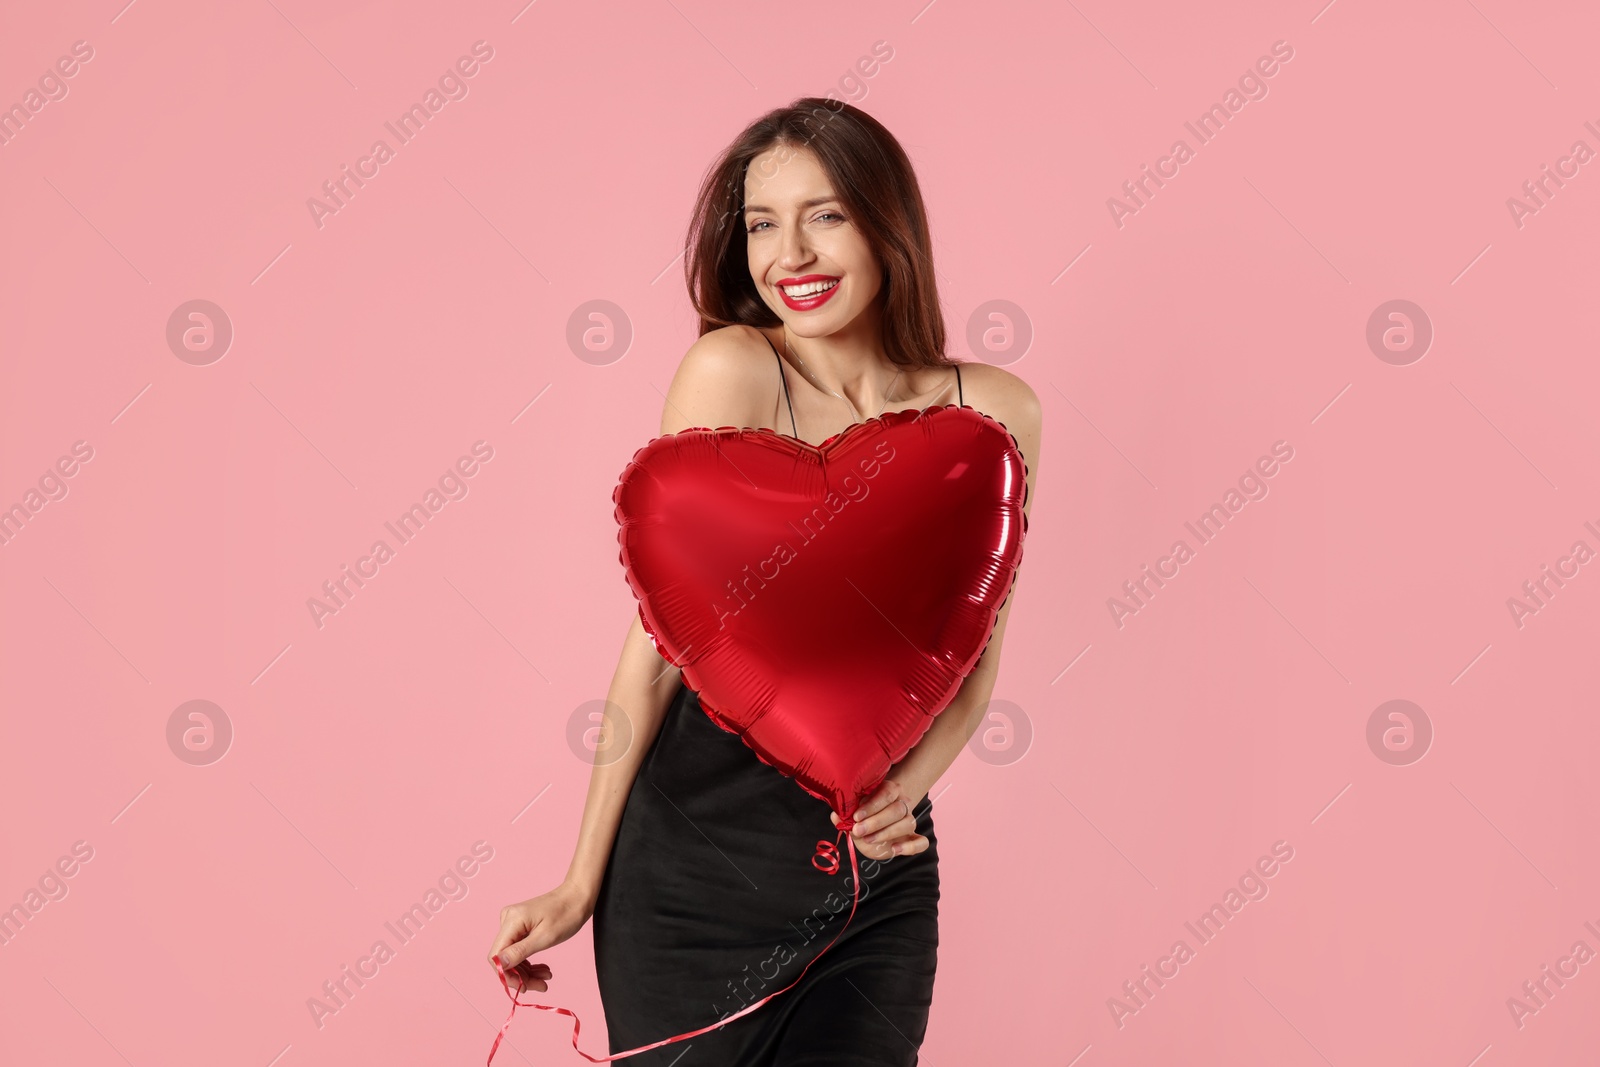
786, 171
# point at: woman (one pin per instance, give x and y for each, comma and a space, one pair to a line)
810, 266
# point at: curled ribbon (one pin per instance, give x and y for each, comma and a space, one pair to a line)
828, 853
831, 851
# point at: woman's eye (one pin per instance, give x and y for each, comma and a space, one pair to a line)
756, 227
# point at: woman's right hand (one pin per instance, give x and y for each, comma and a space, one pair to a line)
535, 925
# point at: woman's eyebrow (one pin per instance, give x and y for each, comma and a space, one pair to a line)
813, 202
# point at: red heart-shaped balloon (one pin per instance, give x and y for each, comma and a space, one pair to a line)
826, 602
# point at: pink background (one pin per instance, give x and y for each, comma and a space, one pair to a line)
432, 712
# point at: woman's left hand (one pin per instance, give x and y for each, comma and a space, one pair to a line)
884, 825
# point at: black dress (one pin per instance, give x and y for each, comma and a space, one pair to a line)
710, 902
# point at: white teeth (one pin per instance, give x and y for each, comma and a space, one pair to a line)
809, 289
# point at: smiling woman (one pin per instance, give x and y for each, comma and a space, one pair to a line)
810, 265
832, 218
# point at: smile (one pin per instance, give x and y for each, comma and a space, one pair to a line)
808, 294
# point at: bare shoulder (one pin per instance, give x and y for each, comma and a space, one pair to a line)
1006, 398
722, 380
1012, 402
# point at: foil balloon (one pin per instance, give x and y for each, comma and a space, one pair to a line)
826, 602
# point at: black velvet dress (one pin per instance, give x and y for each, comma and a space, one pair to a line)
710, 901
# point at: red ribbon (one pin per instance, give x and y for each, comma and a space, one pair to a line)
829, 849
828, 853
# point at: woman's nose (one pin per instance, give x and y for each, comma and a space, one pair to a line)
795, 252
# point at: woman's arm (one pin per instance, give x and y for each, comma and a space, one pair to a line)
642, 688
881, 819
952, 728
714, 386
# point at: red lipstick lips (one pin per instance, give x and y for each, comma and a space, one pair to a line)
813, 300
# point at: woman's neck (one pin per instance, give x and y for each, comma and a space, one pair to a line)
850, 365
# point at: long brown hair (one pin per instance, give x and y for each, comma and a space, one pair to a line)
873, 179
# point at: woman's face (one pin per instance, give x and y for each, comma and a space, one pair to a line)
811, 265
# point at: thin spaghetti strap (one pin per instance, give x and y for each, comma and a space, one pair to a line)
960, 396
784, 378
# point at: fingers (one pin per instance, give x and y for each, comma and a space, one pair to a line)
884, 824
517, 941
892, 820
899, 838
513, 928
887, 806
887, 833
886, 796
537, 941
909, 845
525, 975
534, 976
528, 972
